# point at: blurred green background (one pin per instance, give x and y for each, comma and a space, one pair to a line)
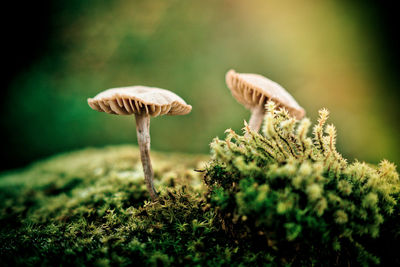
329, 54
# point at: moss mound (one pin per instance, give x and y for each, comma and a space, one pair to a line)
90, 207
296, 198
279, 198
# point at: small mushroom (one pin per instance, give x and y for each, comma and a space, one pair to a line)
143, 102
253, 91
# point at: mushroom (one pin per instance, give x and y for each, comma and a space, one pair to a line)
144, 102
253, 91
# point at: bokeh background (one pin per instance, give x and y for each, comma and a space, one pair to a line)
342, 55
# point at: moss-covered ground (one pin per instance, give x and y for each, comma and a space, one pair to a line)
90, 207
279, 198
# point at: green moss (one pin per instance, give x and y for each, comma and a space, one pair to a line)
296, 198
91, 206
277, 198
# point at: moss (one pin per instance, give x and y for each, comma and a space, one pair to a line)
91, 206
270, 199
296, 198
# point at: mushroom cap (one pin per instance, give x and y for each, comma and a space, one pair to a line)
252, 90
139, 100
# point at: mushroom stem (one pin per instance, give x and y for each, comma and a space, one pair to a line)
143, 137
256, 119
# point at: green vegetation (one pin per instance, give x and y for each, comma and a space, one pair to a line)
90, 207
296, 198
277, 198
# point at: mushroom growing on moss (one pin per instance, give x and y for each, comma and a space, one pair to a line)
144, 102
253, 91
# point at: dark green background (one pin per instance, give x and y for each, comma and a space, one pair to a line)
335, 54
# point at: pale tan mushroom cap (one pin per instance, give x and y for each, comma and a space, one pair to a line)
252, 90
140, 100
